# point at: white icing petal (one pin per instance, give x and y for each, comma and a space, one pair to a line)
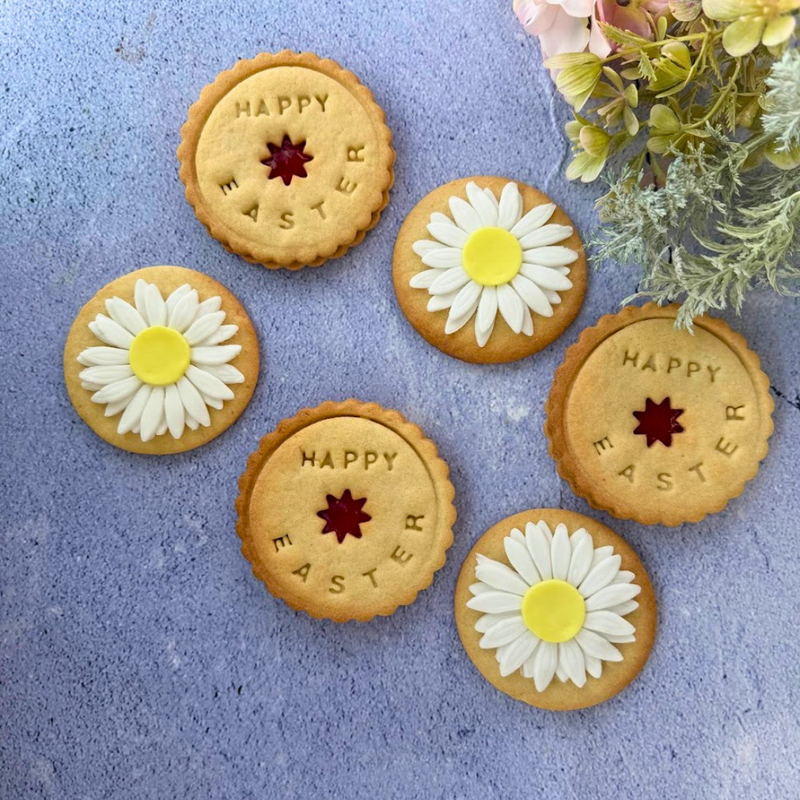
192, 402
539, 549
594, 666
490, 194
521, 560
184, 312
545, 236
219, 354
207, 384
112, 409
487, 210
503, 632
204, 327
463, 307
448, 234
607, 622
91, 387
424, 246
527, 321
510, 208
597, 646
212, 402
561, 552
126, 315
139, 291
624, 608
424, 279
571, 660
113, 392
545, 662
101, 376
174, 411
501, 577
620, 639
479, 588
495, 602
224, 332
443, 258
517, 535
487, 620
191, 422
532, 295
162, 428
439, 302
517, 653
543, 527
465, 215
624, 576
225, 372
210, 306
581, 562
602, 553
153, 414
612, 596
546, 277
156, 307
133, 412
510, 305
487, 311
110, 332
103, 356
600, 575
549, 256
175, 296
552, 297
449, 280
534, 219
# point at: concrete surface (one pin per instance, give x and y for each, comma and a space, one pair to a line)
139, 658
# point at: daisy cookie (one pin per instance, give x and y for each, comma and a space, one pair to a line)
346, 511
287, 159
488, 269
657, 424
161, 360
555, 609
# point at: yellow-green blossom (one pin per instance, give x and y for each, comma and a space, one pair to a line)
769, 22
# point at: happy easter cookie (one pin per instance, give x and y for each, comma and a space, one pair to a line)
161, 360
655, 424
555, 609
346, 511
287, 159
488, 270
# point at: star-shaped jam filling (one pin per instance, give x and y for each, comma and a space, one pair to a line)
658, 421
287, 160
344, 515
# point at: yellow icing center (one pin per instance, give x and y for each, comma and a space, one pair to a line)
553, 610
492, 256
159, 355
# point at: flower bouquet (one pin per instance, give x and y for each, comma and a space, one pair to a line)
690, 110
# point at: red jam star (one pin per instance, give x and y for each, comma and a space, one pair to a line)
344, 516
287, 160
658, 421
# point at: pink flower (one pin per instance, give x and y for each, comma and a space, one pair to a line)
628, 15
561, 25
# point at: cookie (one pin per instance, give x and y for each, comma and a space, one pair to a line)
287, 159
161, 360
346, 511
488, 270
655, 424
555, 609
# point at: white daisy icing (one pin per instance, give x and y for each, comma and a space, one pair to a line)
575, 596
163, 364
489, 258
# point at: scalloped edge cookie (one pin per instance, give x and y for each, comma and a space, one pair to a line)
199, 112
395, 421
590, 338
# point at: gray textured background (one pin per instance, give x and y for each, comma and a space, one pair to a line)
138, 656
